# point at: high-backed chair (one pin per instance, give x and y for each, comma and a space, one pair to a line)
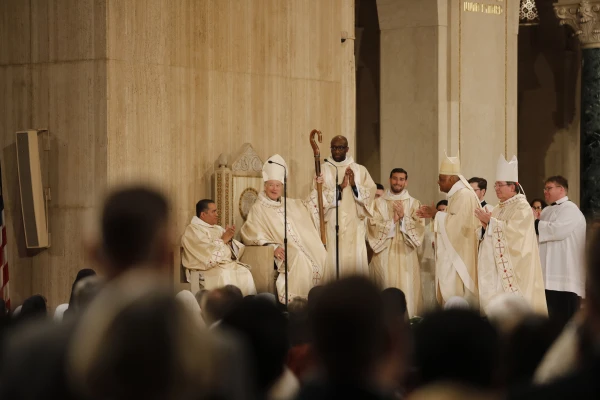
234, 192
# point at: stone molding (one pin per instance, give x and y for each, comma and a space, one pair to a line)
583, 17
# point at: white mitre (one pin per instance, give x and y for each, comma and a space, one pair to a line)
274, 172
507, 171
450, 166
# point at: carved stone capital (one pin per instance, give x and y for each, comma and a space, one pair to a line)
584, 18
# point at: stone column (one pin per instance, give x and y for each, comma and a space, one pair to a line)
448, 86
583, 18
414, 91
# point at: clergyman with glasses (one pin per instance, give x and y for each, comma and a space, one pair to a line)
537, 205
479, 186
509, 260
561, 235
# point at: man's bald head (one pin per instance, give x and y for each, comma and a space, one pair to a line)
447, 181
339, 148
339, 140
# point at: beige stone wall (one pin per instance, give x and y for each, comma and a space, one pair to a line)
222, 74
53, 75
190, 80
155, 91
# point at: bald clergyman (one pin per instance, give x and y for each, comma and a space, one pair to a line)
357, 192
455, 236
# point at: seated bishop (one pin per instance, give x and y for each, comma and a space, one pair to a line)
211, 249
509, 260
265, 226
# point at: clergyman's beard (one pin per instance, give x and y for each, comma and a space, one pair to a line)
394, 191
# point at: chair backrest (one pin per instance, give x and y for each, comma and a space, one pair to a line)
236, 189
179, 275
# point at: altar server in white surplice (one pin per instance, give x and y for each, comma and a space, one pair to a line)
264, 226
357, 192
210, 249
561, 229
395, 234
456, 236
509, 260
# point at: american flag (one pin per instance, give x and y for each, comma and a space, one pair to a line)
3, 259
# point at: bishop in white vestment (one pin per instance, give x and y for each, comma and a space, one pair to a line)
355, 202
509, 260
307, 256
395, 234
211, 249
456, 236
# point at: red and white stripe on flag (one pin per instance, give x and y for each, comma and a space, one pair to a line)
4, 288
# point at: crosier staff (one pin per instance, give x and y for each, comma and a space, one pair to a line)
317, 154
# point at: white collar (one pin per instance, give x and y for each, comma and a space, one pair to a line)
403, 195
455, 188
563, 200
263, 198
513, 199
198, 221
349, 160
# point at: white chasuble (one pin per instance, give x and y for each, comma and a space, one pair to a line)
395, 262
353, 209
205, 251
509, 260
306, 254
456, 246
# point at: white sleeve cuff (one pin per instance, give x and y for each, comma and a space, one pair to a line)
488, 228
392, 232
402, 226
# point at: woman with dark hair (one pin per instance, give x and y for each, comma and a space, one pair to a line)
537, 205
441, 205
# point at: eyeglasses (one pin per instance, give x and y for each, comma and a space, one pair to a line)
537, 208
497, 185
548, 188
339, 148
